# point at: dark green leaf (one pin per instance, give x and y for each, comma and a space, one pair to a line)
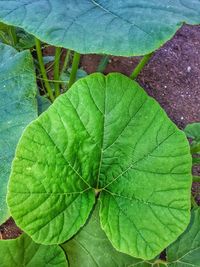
24, 252
129, 27
91, 248
185, 252
18, 108
43, 104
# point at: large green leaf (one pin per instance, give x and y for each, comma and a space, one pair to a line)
104, 136
91, 248
18, 108
24, 252
129, 27
185, 252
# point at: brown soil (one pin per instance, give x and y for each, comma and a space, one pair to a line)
172, 77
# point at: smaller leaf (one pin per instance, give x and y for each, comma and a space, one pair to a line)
195, 161
25, 40
193, 131
24, 252
48, 59
43, 104
91, 247
65, 76
185, 252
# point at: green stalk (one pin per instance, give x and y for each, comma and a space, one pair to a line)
57, 70
13, 35
140, 66
75, 64
196, 178
66, 61
193, 202
195, 148
43, 70
158, 262
103, 64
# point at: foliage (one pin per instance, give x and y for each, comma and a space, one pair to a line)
121, 147
24, 252
186, 250
18, 108
103, 167
110, 27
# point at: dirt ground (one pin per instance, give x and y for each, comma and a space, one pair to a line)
172, 77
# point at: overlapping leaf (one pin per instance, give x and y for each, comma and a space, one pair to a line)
17, 108
24, 252
105, 137
90, 247
130, 27
185, 252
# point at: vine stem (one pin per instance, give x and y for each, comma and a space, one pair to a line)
75, 64
103, 63
43, 70
158, 261
13, 35
66, 61
140, 66
57, 70
196, 178
193, 202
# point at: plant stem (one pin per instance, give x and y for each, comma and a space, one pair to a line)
195, 148
158, 262
66, 61
75, 64
196, 178
140, 66
57, 70
103, 63
42, 69
193, 202
13, 35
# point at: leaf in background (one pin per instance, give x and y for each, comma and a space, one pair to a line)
24, 252
65, 76
104, 136
18, 108
48, 59
25, 40
43, 104
193, 131
185, 252
128, 28
91, 248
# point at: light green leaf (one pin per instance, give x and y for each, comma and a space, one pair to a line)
104, 136
91, 248
24, 252
18, 108
185, 252
129, 27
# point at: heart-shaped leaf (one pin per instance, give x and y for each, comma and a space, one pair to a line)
106, 138
90, 247
18, 108
129, 27
185, 252
24, 252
